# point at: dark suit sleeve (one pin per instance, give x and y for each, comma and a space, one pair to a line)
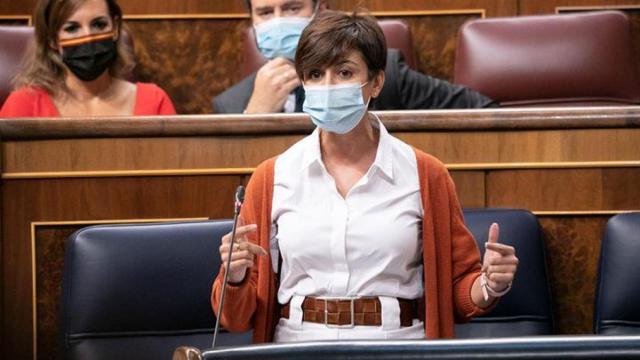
235, 99
218, 106
411, 90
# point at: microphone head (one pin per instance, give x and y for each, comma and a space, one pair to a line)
240, 194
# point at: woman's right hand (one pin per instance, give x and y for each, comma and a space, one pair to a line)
243, 254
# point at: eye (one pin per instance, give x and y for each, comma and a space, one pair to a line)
293, 9
70, 28
314, 75
264, 12
345, 74
100, 24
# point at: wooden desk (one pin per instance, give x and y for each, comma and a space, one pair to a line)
573, 167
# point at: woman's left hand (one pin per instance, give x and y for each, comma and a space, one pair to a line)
500, 262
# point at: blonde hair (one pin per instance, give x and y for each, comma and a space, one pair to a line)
43, 67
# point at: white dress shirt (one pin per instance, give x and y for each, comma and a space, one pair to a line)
365, 244
290, 104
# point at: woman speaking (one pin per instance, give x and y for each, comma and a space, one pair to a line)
351, 233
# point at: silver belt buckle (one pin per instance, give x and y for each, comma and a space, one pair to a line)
346, 326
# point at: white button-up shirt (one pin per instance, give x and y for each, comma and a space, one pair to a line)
365, 244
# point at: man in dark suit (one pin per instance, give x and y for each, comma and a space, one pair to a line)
275, 87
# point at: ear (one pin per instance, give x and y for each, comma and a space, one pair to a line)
323, 5
377, 83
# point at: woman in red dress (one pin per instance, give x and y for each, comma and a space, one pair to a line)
76, 65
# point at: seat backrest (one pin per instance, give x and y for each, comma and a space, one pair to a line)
526, 309
396, 32
573, 59
13, 45
141, 289
617, 308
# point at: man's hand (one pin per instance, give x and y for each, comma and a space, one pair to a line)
274, 82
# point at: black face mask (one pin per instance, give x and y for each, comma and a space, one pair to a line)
90, 56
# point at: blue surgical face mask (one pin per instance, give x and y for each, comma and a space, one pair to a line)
280, 35
335, 108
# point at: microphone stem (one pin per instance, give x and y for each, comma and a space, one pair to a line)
226, 275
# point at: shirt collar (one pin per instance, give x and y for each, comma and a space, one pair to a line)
384, 153
312, 150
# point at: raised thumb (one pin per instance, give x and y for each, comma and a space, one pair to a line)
494, 233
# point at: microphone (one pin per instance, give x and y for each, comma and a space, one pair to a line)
239, 199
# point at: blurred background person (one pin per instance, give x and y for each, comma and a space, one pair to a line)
276, 88
76, 64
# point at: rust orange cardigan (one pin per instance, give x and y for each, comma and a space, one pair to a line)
450, 256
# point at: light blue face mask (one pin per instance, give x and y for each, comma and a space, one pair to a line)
280, 35
335, 108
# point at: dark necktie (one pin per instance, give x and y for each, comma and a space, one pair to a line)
299, 91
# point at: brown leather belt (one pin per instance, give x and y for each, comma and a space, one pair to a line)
360, 311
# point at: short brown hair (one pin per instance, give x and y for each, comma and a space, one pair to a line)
332, 35
43, 66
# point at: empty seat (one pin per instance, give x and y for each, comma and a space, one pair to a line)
525, 310
617, 309
561, 60
141, 290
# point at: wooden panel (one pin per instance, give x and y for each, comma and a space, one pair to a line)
573, 248
565, 189
191, 59
492, 7
434, 42
171, 7
536, 7
226, 152
140, 154
470, 186
49, 256
528, 146
21, 7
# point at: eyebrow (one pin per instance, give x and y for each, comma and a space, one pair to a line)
291, 3
263, 8
345, 61
73, 22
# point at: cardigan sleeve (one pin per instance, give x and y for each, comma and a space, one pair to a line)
465, 258
241, 299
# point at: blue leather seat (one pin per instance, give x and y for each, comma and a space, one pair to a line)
617, 309
141, 289
526, 310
